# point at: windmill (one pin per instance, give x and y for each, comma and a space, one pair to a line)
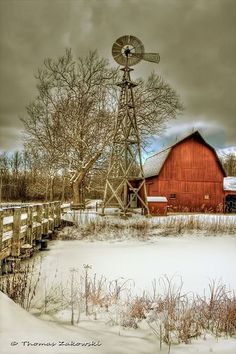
125, 178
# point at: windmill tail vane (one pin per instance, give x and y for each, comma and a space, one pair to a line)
151, 57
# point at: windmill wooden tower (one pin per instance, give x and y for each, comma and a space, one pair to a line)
125, 164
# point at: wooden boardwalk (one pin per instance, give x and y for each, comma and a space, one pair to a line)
24, 228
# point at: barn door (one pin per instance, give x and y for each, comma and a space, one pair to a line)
230, 203
133, 200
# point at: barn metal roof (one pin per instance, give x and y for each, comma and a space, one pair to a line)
153, 164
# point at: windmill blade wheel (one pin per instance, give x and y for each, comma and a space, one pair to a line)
124, 48
129, 50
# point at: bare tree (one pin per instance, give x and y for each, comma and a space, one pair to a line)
72, 118
156, 104
229, 164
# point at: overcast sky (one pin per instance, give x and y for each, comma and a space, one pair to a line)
196, 40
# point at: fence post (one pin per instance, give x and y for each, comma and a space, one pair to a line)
51, 208
46, 223
49, 216
30, 224
39, 219
55, 214
59, 213
15, 249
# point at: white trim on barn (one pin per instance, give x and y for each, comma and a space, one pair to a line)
157, 199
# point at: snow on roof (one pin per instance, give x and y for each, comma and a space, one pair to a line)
230, 184
153, 164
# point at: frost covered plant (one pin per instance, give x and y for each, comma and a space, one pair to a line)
106, 228
176, 317
22, 283
51, 300
218, 310
139, 308
136, 311
209, 224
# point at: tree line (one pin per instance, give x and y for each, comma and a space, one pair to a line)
22, 178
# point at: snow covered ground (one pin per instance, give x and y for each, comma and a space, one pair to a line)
21, 333
195, 259
18, 327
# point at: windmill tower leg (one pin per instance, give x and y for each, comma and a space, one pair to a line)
125, 173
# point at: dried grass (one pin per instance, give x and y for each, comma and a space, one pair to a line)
22, 283
142, 228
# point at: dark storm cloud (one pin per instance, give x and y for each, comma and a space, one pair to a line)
195, 38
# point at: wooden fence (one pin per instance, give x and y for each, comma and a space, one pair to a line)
25, 227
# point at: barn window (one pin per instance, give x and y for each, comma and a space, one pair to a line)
206, 196
173, 196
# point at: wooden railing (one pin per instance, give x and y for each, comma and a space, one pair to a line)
24, 227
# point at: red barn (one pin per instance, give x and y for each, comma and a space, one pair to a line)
189, 174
